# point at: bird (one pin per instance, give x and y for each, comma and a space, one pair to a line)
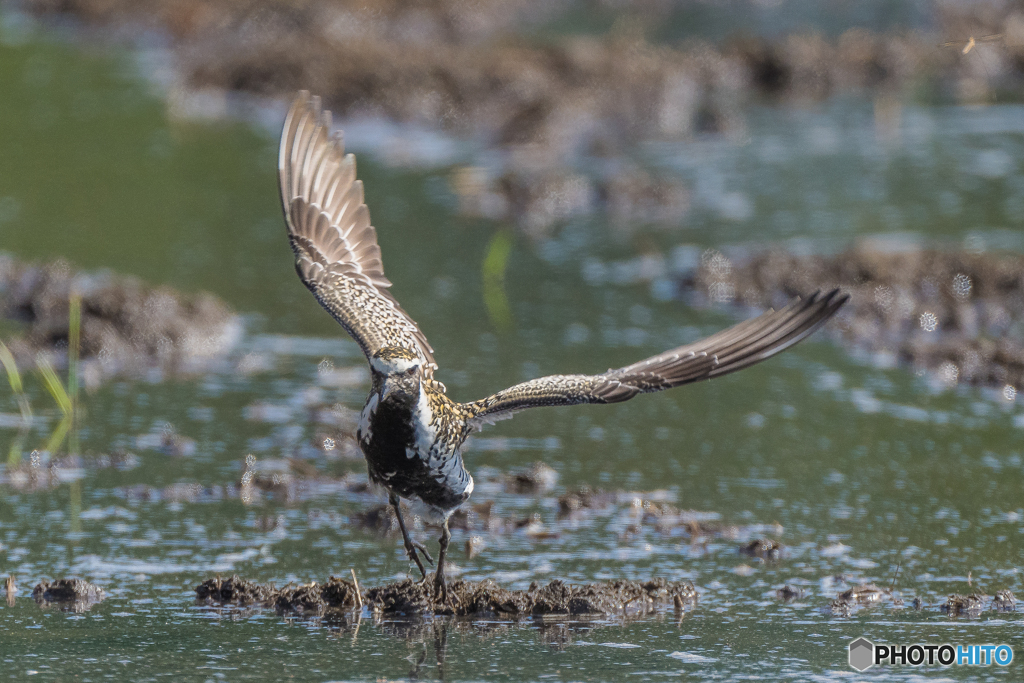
410, 432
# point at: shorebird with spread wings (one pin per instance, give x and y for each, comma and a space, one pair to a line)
409, 431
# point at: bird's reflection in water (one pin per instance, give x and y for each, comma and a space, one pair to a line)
433, 635
427, 638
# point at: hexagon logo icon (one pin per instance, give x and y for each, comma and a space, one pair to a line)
862, 654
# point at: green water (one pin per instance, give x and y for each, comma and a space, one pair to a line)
863, 467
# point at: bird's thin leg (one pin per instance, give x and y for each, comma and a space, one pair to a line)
440, 587
411, 546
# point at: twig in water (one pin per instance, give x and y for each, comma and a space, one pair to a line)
359, 598
74, 342
895, 576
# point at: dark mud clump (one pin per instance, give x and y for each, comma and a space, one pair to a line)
483, 599
865, 595
73, 594
577, 502
311, 598
126, 326
789, 593
314, 598
957, 315
967, 605
487, 599
473, 69
763, 548
236, 591
1004, 601
537, 478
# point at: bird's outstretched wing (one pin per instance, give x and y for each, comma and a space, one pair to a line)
336, 252
732, 349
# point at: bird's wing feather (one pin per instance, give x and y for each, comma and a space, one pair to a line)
732, 349
336, 252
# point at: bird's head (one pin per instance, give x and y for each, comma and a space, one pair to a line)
399, 371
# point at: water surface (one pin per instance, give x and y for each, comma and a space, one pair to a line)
854, 468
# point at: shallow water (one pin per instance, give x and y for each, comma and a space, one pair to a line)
855, 468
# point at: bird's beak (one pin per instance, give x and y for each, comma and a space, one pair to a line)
386, 391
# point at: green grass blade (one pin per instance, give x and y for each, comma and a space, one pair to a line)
13, 376
17, 446
495, 263
57, 437
53, 384
14, 379
74, 342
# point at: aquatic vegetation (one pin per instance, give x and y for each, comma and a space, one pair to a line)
14, 380
494, 267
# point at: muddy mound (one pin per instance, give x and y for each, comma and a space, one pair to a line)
70, 594
563, 109
126, 325
486, 598
236, 591
467, 598
865, 595
958, 315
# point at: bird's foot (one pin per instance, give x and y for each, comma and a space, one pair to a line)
441, 594
419, 546
411, 549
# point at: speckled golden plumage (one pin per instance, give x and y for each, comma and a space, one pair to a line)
410, 431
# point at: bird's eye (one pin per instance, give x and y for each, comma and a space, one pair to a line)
411, 370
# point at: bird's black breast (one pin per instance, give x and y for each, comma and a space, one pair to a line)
396, 461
